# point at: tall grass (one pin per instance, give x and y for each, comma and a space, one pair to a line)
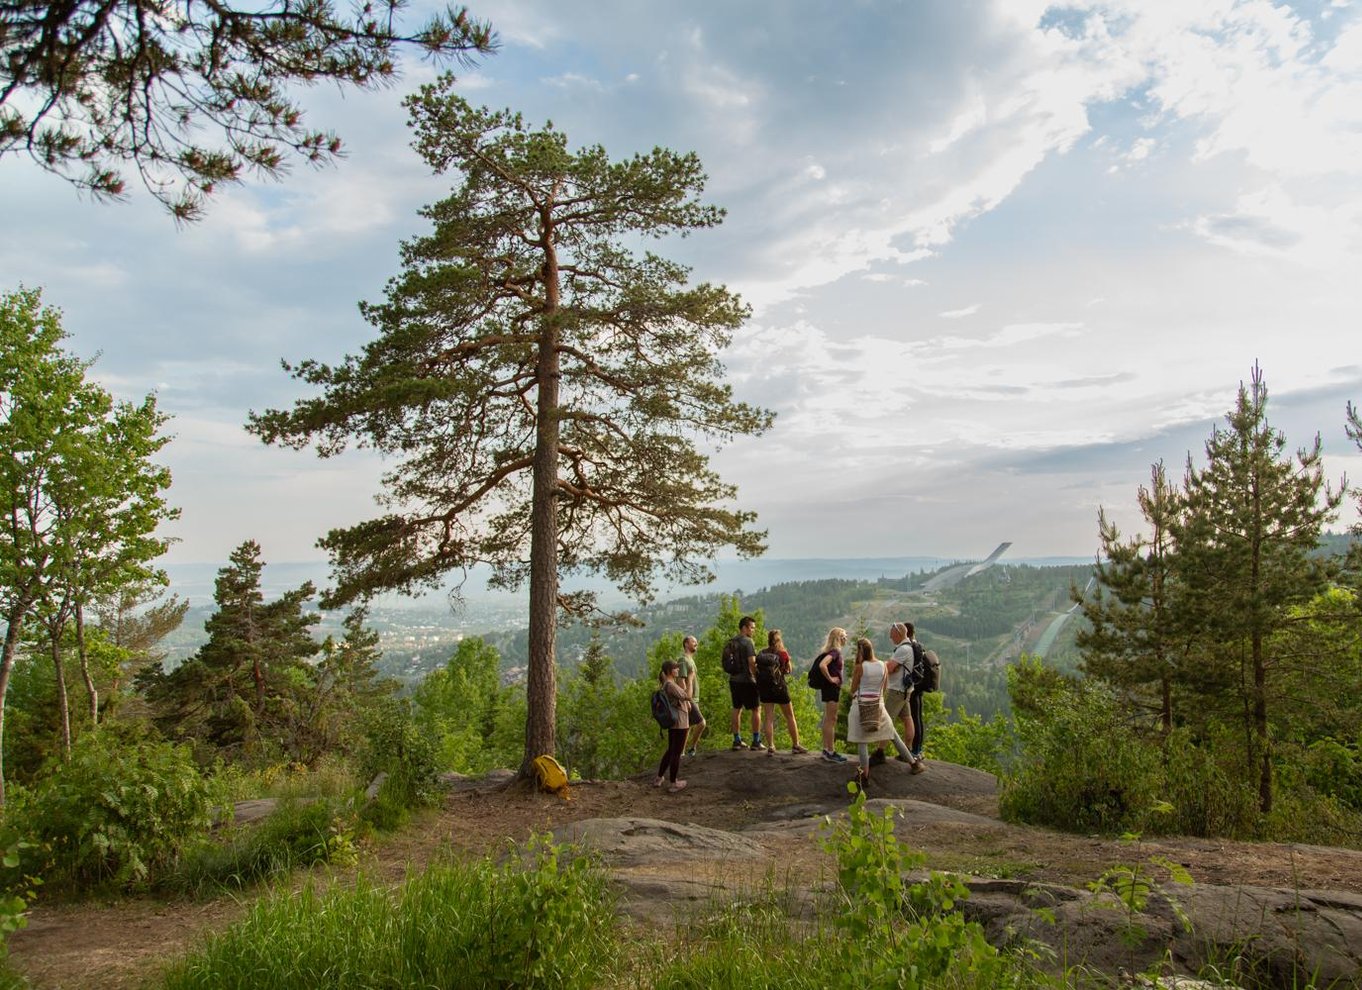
294, 836
550, 923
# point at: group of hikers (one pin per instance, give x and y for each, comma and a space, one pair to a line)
881, 692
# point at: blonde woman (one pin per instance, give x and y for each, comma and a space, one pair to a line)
826, 678
773, 663
868, 721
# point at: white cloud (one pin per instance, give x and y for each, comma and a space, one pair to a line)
956, 314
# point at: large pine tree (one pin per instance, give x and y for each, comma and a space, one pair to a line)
541, 384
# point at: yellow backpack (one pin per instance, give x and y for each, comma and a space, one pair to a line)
552, 776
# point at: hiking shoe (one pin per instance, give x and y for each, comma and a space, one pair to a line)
877, 757
904, 759
919, 766
798, 750
739, 744
833, 757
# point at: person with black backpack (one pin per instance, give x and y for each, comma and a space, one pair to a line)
899, 692
679, 707
740, 664
918, 677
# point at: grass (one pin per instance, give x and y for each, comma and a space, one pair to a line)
469, 925
294, 836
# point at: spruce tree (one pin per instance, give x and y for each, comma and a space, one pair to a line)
244, 690
541, 385
1246, 539
1132, 639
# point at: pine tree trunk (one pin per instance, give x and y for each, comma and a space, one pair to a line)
1260, 726
541, 686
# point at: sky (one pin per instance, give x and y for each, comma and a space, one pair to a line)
1002, 256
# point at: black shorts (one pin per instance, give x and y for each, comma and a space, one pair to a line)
831, 692
744, 694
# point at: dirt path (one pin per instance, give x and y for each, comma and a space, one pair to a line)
122, 945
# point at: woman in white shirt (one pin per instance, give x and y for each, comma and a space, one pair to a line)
867, 721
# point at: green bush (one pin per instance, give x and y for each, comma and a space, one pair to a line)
396, 745
1082, 768
1211, 792
546, 922
121, 808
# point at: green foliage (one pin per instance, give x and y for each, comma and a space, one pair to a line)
603, 728
1132, 885
546, 921
458, 704
1082, 767
295, 835
397, 747
78, 487
253, 692
118, 811
18, 887
897, 933
967, 739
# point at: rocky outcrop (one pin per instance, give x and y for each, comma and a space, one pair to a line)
1268, 937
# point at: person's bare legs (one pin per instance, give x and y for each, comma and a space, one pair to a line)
829, 726
791, 726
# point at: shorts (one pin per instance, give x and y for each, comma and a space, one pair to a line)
773, 694
896, 703
744, 694
831, 693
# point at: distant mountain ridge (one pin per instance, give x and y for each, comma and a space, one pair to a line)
194, 581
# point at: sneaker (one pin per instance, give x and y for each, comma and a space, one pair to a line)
919, 766
829, 755
691, 751
798, 750
738, 743
680, 785
658, 782
756, 742
877, 757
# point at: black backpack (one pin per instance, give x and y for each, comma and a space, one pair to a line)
931, 671
769, 674
664, 711
919, 669
816, 679
733, 660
